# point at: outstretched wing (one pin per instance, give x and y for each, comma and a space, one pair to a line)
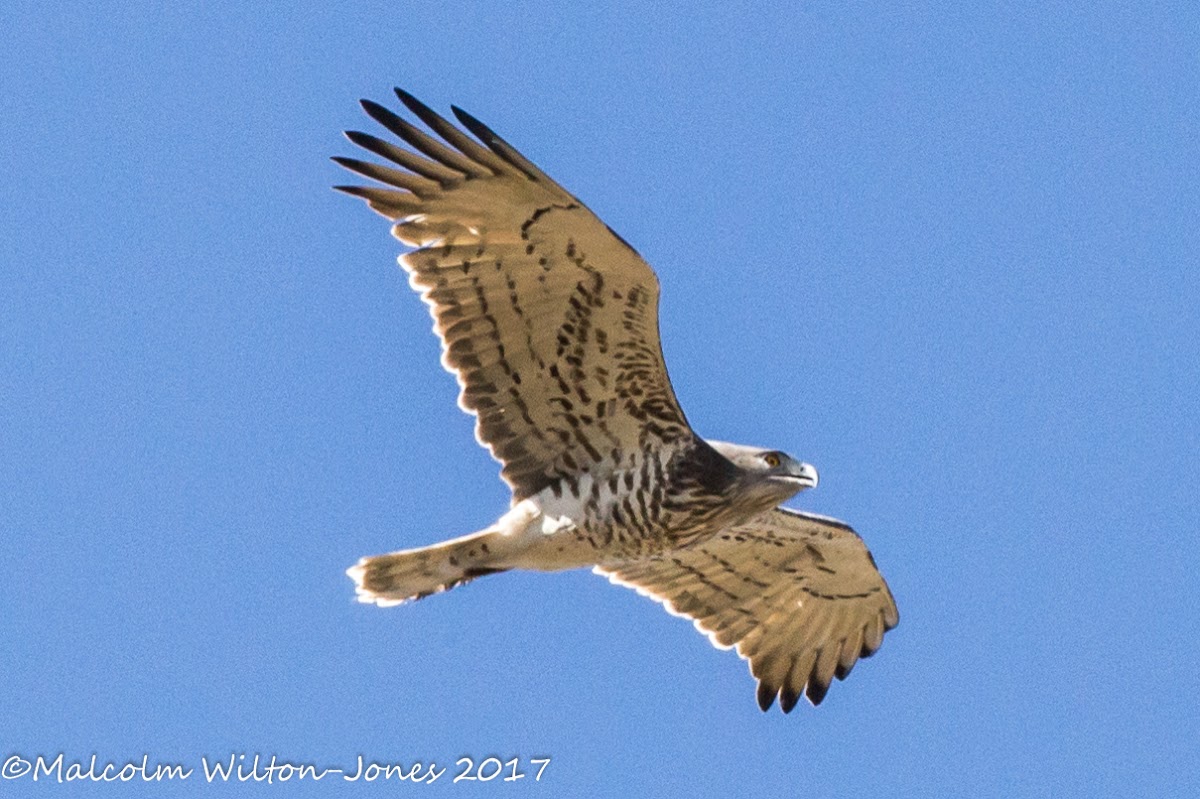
548, 319
798, 594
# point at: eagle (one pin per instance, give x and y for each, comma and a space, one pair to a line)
549, 321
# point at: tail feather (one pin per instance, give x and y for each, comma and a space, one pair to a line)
416, 573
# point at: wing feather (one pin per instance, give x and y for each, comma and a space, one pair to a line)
397, 155
455, 137
798, 595
548, 320
421, 187
423, 142
500, 146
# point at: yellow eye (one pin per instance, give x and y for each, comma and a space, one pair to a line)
771, 459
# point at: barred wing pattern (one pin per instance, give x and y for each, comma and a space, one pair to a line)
798, 594
548, 319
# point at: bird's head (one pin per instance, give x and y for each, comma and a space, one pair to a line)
769, 471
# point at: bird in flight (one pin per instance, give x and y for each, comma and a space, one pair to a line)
549, 321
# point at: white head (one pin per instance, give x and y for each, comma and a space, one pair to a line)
769, 471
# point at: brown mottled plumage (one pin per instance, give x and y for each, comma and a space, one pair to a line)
549, 321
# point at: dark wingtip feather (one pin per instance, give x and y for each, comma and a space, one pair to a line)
816, 692
485, 134
788, 700
496, 144
371, 107
362, 192
484, 159
766, 696
363, 168
413, 104
386, 202
383, 115
408, 99
375, 145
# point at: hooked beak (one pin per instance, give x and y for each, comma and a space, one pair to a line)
804, 474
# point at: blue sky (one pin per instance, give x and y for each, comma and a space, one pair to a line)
947, 254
